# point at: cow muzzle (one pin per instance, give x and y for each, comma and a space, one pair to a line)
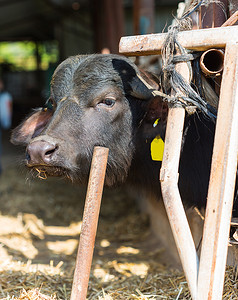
40, 152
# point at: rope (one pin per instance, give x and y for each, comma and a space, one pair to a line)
172, 81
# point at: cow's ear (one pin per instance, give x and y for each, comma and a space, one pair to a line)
32, 126
136, 82
144, 84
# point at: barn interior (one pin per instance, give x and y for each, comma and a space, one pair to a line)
37, 35
40, 221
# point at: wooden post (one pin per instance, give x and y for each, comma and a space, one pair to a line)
90, 222
222, 182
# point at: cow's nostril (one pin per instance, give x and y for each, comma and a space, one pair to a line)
40, 152
51, 151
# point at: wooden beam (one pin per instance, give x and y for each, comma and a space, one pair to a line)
200, 40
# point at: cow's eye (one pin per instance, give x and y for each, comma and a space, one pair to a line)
108, 102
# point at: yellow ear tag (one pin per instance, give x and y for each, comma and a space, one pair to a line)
157, 146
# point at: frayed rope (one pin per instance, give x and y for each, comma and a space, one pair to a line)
173, 81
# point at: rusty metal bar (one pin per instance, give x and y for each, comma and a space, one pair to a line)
201, 40
172, 200
89, 226
222, 182
171, 197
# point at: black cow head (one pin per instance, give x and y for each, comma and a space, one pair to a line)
96, 100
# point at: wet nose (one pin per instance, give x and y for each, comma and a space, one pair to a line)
40, 152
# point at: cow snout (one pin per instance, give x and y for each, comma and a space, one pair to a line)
40, 152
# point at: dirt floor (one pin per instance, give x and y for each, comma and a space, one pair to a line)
40, 223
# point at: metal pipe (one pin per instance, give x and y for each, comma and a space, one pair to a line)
211, 62
222, 183
172, 200
200, 40
171, 197
89, 226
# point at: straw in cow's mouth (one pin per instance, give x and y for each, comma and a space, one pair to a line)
43, 172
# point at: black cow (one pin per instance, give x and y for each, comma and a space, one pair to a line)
99, 100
